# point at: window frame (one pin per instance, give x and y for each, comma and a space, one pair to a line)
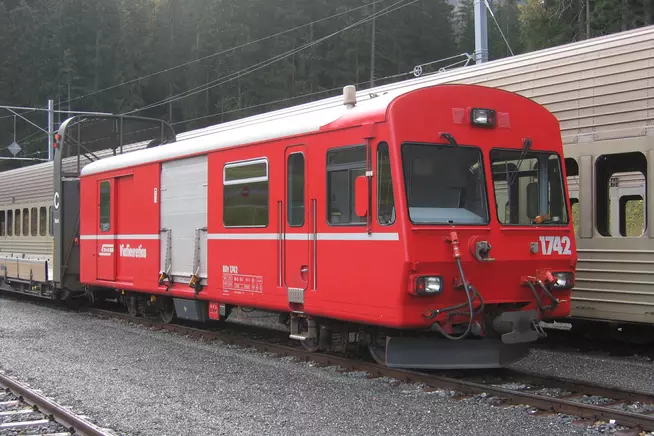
381, 144
340, 167
564, 183
51, 220
486, 182
266, 178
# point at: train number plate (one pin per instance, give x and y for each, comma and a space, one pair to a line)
555, 244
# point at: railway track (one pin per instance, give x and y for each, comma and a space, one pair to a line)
627, 408
24, 411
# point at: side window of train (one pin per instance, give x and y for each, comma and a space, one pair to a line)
385, 199
572, 171
621, 184
105, 206
10, 223
34, 222
43, 221
344, 165
26, 222
245, 194
3, 223
51, 220
295, 194
17, 222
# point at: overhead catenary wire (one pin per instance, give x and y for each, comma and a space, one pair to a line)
245, 71
156, 73
464, 62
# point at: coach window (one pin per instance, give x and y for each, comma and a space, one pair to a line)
26, 222
3, 223
385, 199
34, 222
296, 190
43, 221
572, 172
105, 206
344, 165
10, 223
17, 222
245, 194
51, 220
620, 194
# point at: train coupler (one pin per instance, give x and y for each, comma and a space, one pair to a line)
518, 327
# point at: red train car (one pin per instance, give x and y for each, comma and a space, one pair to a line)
403, 223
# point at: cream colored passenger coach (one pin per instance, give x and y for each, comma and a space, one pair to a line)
26, 197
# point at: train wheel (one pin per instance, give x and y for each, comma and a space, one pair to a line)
378, 354
311, 345
132, 306
167, 310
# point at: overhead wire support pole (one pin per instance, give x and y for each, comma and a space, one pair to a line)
481, 32
50, 128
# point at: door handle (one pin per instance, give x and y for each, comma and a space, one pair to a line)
304, 272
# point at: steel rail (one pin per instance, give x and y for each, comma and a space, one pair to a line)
545, 403
72, 422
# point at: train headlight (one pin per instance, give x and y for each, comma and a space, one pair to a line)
563, 280
431, 285
482, 117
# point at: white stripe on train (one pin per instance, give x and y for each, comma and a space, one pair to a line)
383, 236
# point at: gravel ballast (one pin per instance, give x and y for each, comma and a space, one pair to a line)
139, 381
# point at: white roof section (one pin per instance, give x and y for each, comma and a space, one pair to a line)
577, 82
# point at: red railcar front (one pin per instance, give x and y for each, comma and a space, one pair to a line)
490, 245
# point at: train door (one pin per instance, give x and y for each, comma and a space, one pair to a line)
296, 224
184, 197
106, 240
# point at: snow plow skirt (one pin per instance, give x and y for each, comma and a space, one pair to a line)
436, 353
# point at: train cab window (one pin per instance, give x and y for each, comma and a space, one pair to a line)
34, 222
105, 206
528, 188
344, 165
295, 193
621, 187
43, 221
51, 220
385, 198
245, 194
3, 223
444, 184
17, 222
10, 222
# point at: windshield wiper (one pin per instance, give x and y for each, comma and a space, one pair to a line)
526, 145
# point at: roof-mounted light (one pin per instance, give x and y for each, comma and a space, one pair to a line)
482, 117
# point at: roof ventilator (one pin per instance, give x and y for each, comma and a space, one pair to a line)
350, 96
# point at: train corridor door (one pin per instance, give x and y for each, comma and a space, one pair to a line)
106, 239
296, 225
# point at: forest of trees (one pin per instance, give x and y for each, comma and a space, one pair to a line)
68, 50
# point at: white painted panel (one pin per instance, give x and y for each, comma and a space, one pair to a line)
183, 211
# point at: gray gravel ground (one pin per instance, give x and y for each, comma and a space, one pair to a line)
626, 372
139, 381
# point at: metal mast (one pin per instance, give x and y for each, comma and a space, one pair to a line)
481, 32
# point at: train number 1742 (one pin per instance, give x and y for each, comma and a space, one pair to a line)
558, 244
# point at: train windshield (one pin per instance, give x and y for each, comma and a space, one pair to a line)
528, 187
444, 184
